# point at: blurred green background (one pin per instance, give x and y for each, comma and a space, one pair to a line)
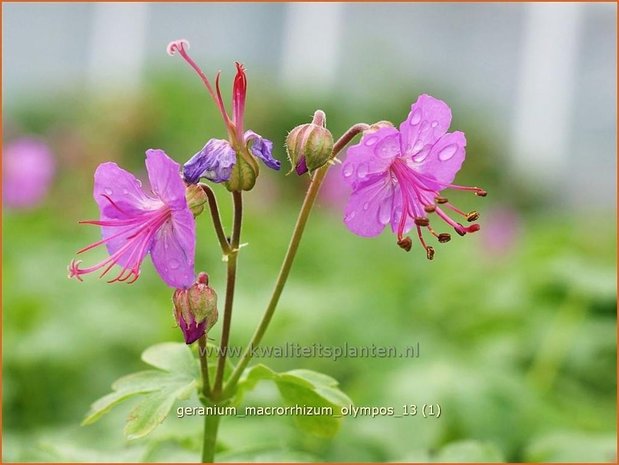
516, 324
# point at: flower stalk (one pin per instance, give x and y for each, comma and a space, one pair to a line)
291, 253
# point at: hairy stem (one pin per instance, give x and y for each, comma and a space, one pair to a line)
293, 246
219, 229
202, 355
230, 285
211, 426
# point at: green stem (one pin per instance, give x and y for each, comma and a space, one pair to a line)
219, 229
293, 246
211, 426
202, 354
230, 285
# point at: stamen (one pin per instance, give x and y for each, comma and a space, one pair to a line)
444, 237
430, 208
461, 230
472, 216
422, 221
405, 243
430, 252
441, 200
473, 228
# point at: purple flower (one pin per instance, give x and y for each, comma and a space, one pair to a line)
27, 172
134, 223
397, 176
218, 157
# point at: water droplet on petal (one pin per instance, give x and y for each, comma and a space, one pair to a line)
371, 141
415, 118
434, 124
421, 156
384, 211
125, 192
108, 191
349, 216
362, 170
174, 264
348, 170
366, 205
417, 146
389, 148
448, 152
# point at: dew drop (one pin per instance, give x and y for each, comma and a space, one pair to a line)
366, 205
108, 191
349, 216
347, 170
125, 192
448, 152
384, 212
371, 141
421, 156
434, 124
174, 264
415, 118
362, 170
417, 146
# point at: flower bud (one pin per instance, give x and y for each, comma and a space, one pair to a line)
309, 146
196, 199
195, 309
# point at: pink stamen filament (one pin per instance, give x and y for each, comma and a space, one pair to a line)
138, 242
414, 185
216, 96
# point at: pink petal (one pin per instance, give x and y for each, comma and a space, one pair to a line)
369, 206
427, 121
397, 211
119, 196
443, 161
165, 178
372, 155
173, 250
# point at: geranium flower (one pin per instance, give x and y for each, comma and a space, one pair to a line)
28, 170
397, 176
217, 160
135, 223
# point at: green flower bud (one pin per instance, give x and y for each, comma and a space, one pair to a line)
309, 146
196, 199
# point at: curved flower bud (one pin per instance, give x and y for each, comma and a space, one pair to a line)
214, 162
196, 198
195, 309
309, 146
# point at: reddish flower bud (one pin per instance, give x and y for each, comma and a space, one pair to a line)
195, 309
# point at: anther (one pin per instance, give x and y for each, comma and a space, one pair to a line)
405, 243
431, 208
422, 221
444, 237
461, 230
430, 252
472, 216
440, 199
481, 193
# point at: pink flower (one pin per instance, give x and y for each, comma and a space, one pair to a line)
27, 172
397, 176
135, 223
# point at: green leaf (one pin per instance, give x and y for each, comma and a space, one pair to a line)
170, 356
304, 388
176, 378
